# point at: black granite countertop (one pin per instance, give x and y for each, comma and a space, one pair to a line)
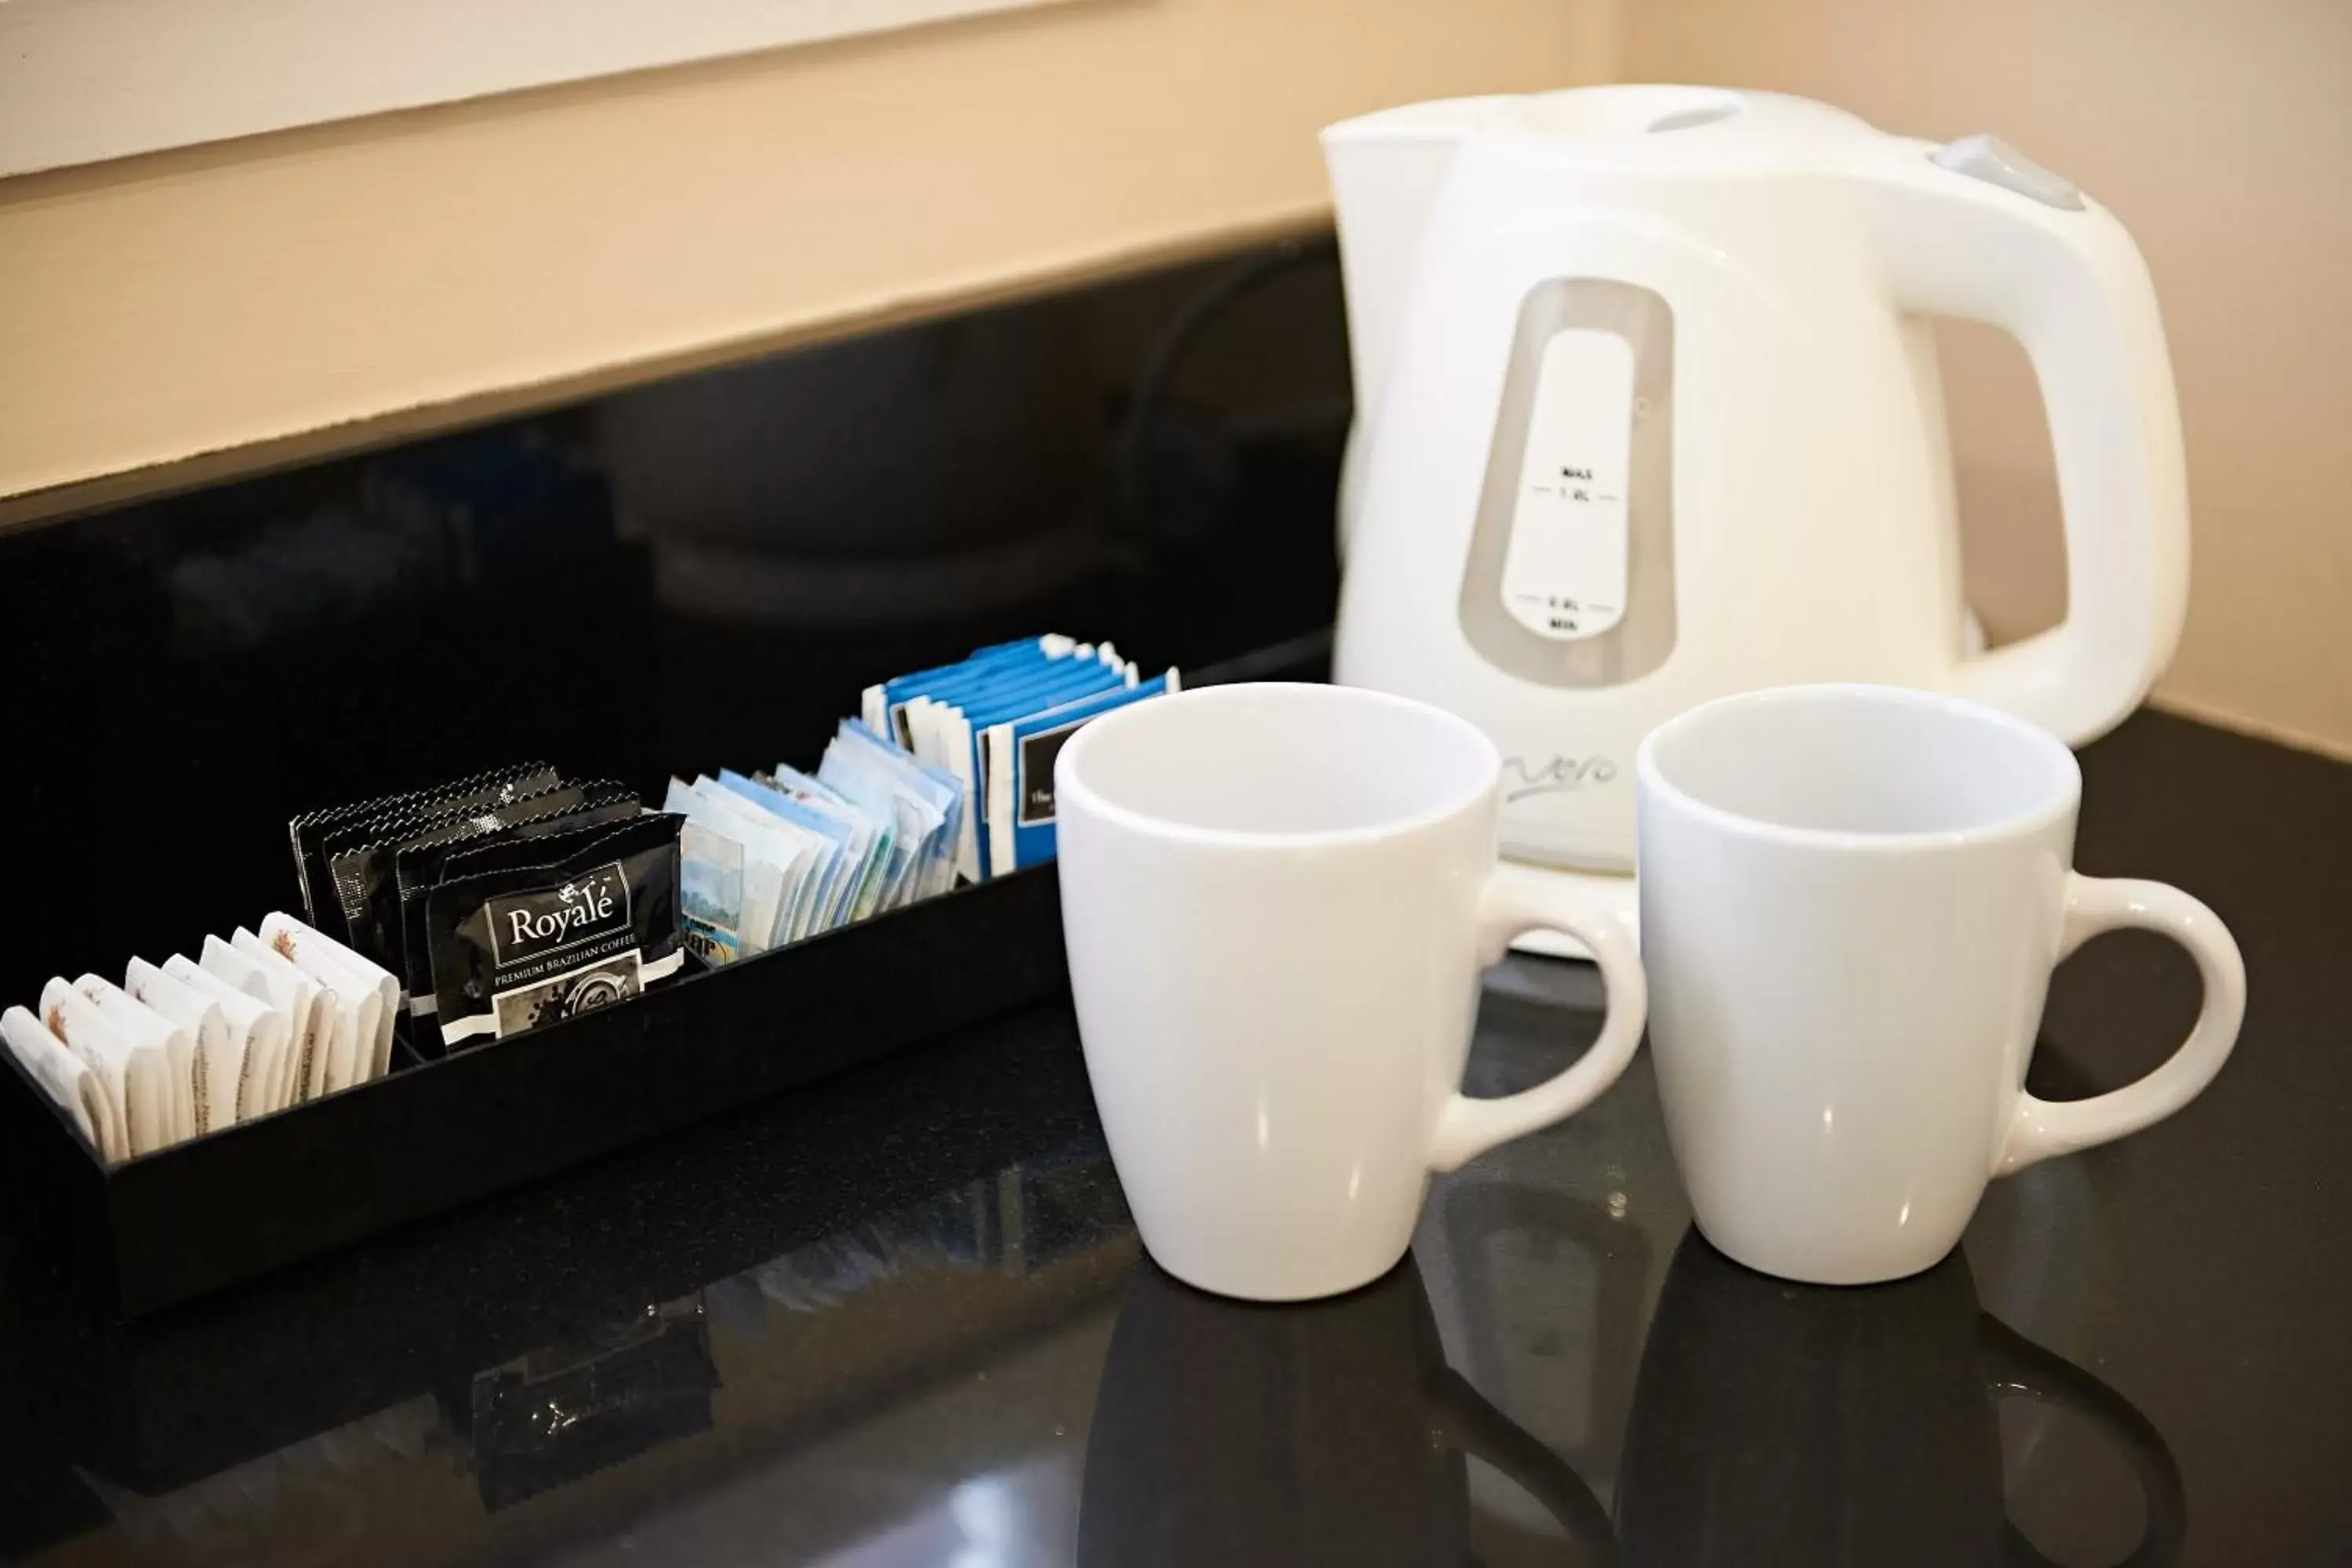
903, 1319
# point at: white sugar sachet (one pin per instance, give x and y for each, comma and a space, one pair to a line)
217, 1061
316, 952
358, 1000
328, 1062
353, 1057
136, 1077
291, 1071
68, 1079
114, 1126
257, 1034
144, 1026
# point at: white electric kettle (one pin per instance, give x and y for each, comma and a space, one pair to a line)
1647, 412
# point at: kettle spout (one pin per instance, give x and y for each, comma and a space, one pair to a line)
1386, 171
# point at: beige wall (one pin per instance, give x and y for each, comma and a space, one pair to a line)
178, 316
2218, 133
170, 319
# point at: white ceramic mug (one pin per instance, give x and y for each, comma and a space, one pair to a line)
1277, 902
1851, 899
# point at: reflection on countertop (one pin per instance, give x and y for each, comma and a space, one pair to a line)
843, 1402
996, 1375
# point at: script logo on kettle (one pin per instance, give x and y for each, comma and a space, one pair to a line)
1554, 775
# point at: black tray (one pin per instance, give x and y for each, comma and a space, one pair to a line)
167, 1227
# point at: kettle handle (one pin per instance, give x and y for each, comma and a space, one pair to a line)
2069, 284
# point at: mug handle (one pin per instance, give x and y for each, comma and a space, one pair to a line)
2016, 1366
1464, 1421
1467, 1128
2041, 1128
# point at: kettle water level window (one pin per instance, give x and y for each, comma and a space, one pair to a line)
1569, 580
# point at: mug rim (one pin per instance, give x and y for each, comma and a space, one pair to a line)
1070, 789
2063, 801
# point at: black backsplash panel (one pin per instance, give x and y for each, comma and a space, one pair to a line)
700, 573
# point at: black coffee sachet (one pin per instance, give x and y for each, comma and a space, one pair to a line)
417, 867
351, 887
518, 945
561, 836
310, 830
360, 858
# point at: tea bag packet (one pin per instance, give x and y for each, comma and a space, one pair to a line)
765, 855
417, 867
883, 703
315, 953
807, 862
826, 893
256, 1034
1062, 661
881, 792
333, 1028
883, 707
816, 870
943, 792
940, 738
955, 724
290, 1073
854, 841
986, 709
524, 944
715, 872
66, 1078
909, 775
871, 799
919, 717
868, 842
710, 892
310, 830
1019, 767
215, 1069
811, 860
136, 1077
145, 1027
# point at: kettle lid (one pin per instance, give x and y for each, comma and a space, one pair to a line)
1675, 127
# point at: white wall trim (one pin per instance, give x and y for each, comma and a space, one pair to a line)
86, 80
